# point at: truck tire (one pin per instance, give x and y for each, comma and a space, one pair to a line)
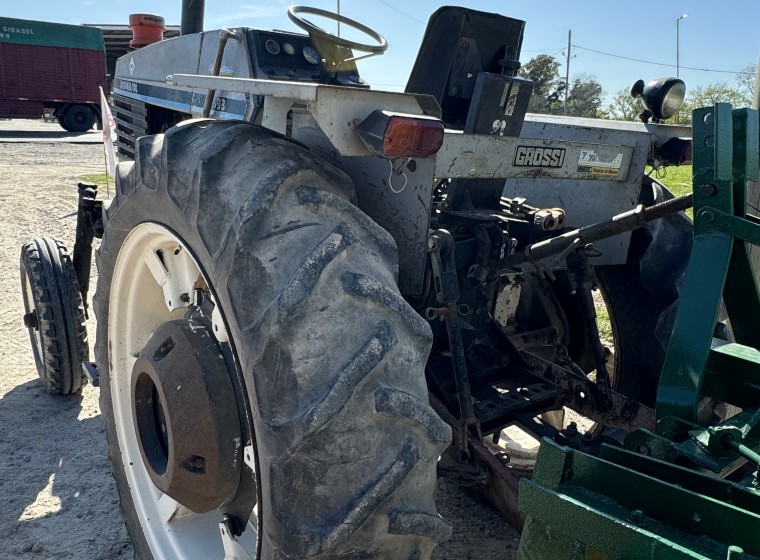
328, 357
77, 118
54, 315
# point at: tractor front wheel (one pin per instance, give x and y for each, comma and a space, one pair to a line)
54, 315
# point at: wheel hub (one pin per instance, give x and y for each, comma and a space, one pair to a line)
186, 417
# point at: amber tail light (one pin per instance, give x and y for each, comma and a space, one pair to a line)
397, 135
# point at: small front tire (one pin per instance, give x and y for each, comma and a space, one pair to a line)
54, 315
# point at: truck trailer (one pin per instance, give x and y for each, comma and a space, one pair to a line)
51, 68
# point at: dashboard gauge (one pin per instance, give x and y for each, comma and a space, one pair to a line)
311, 54
272, 46
288, 48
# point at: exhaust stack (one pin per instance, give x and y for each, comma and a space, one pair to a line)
146, 29
192, 16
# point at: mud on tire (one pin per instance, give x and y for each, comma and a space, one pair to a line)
331, 355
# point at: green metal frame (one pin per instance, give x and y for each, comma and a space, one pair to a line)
635, 508
726, 147
642, 503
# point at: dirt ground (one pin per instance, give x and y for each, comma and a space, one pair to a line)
57, 497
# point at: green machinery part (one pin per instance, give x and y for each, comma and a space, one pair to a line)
685, 490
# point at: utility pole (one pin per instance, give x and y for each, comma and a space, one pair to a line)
338, 18
678, 44
678, 56
567, 70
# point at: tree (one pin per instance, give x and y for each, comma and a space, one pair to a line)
706, 96
585, 97
624, 107
745, 82
548, 87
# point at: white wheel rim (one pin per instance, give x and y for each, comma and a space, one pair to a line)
144, 294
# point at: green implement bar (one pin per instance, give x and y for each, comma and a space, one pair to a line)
581, 507
47, 34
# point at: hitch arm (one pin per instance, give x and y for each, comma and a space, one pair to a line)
627, 221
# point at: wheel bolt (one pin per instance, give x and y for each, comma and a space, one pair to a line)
30, 320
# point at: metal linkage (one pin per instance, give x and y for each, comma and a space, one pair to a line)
582, 282
224, 36
627, 221
89, 226
441, 248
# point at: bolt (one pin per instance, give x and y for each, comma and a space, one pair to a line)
708, 190
642, 449
198, 296
233, 525
196, 463
184, 298
707, 216
637, 517
463, 42
164, 349
30, 321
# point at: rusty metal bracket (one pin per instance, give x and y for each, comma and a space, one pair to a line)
581, 394
441, 249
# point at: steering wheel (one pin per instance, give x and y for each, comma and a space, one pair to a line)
312, 29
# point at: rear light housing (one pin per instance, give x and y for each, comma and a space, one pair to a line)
398, 135
663, 97
675, 151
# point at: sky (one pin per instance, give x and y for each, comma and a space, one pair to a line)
722, 37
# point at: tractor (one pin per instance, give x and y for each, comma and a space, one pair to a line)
314, 298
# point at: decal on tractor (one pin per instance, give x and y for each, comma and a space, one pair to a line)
530, 156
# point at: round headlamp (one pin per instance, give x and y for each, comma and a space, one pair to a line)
662, 97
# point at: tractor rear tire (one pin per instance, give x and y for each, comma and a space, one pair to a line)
331, 356
77, 118
642, 296
54, 315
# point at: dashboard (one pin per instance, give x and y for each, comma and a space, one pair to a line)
279, 55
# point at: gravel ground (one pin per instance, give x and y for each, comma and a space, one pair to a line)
57, 497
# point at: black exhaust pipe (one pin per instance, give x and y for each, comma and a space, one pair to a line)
192, 16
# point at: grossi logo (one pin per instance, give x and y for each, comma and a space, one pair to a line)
530, 156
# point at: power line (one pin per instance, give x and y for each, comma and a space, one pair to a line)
403, 13
541, 50
656, 63
534, 61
